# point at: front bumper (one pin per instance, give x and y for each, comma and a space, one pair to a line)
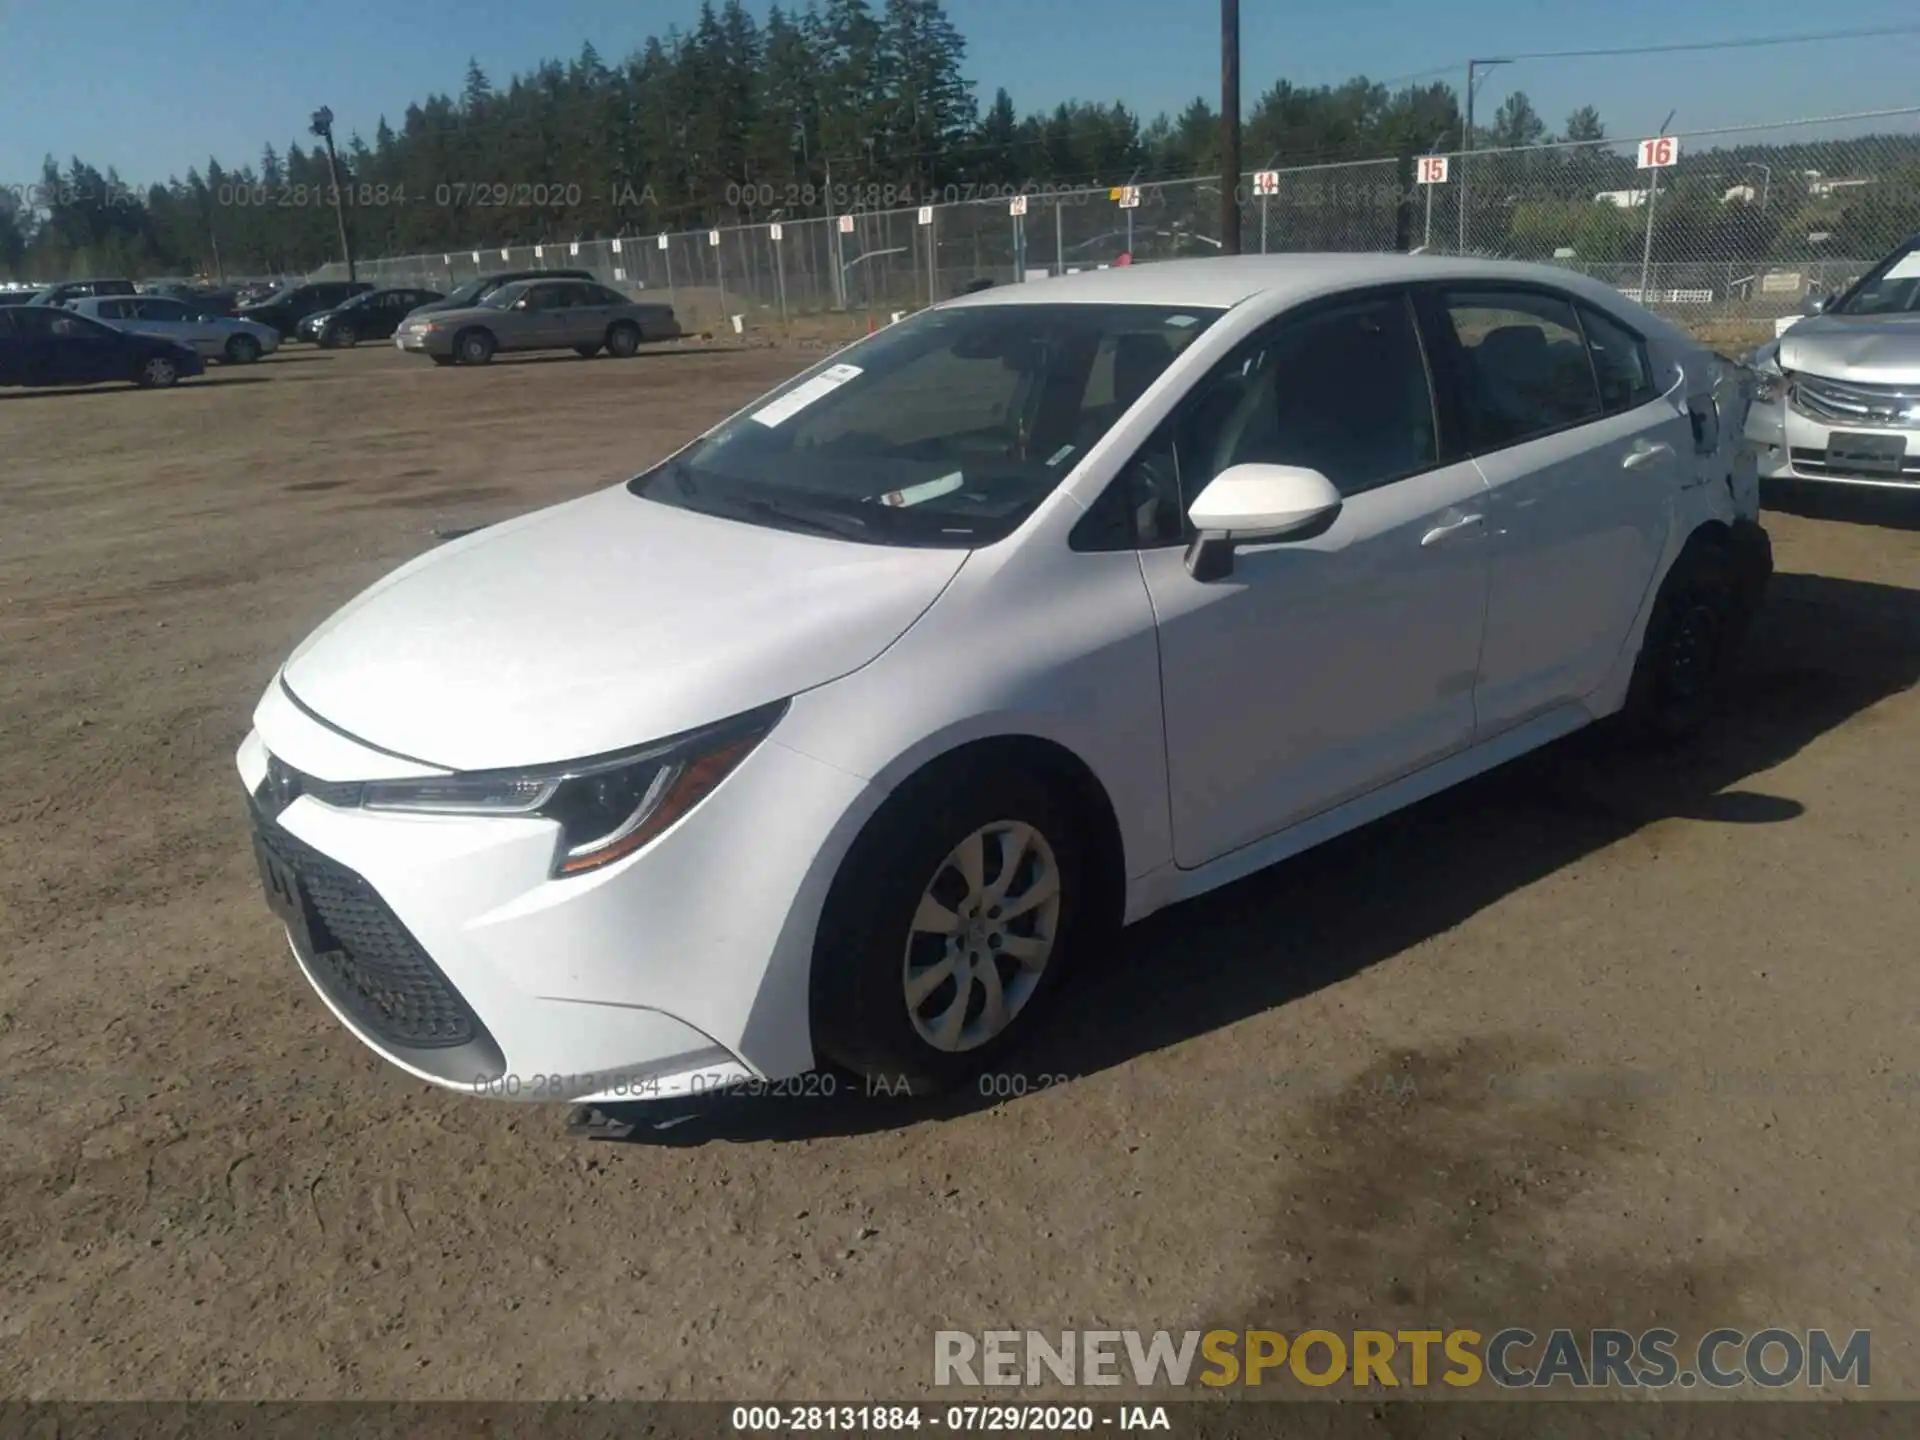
435, 342
444, 945
1791, 445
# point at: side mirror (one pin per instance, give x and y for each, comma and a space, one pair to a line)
1817, 303
1248, 504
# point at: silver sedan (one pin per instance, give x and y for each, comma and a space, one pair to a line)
217, 337
1839, 392
579, 315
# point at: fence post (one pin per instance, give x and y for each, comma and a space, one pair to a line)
780, 278
666, 249
1646, 253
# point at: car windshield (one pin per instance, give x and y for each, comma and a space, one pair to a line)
1892, 288
946, 429
468, 294
503, 297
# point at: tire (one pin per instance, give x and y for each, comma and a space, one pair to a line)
586, 352
1692, 637
441, 359
473, 347
341, 337
242, 350
157, 372
886, 992
623, 340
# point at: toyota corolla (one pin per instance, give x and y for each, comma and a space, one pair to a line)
848, 733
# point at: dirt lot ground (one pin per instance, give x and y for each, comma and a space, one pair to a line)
1595, 1041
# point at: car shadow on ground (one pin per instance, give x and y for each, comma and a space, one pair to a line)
1821, 651
1849, 504
198, 382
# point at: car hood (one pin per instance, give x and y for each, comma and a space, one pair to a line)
599, 624
457, 314
1872, 350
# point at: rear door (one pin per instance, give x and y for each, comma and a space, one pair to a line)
1582, 459
587, 316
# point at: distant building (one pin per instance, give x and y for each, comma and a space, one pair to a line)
1621, 199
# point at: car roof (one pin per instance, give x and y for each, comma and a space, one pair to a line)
1220, 282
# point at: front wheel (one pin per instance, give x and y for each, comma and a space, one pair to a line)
157, 372
342, 337
949, 924
623, 340
475, 347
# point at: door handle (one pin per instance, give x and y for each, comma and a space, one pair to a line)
1452, 528
1644, 454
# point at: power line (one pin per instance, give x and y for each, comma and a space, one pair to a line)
1745, 43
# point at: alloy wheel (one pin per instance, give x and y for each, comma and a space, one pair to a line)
981, 936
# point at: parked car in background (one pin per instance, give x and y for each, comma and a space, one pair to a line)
1838, 393
17, 296
580, 315
287, 307
476, 290
78, 289
216, 337
205, 300
49, 345
844, 733
372, 316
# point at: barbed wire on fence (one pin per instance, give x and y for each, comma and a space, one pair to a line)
1744, 223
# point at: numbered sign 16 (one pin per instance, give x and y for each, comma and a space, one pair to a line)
1659, 152
1266, 182
1433, 170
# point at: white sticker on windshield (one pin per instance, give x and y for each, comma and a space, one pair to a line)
914, 494
801, 396
1059, 455
1905, 268
1183, 320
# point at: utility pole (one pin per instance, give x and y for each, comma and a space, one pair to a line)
323, 127
1229, 127
1466, 142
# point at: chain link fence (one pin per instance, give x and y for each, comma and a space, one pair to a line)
1743, 225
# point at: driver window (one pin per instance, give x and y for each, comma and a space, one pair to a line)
1342, 390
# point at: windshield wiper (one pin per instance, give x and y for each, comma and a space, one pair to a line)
825, 522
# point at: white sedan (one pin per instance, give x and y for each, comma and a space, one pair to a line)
217, 337
847, 734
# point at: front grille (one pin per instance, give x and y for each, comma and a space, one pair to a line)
1845, 402
365, 959
1813, 463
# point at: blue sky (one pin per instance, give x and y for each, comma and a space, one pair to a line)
153, 89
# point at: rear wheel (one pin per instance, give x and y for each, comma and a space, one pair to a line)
242, 350
157, 372
950, 922
1690, 642
586, 352
474, 347
622, 340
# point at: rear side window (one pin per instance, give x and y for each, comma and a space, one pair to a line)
1526, 365
1620, 362
114, 309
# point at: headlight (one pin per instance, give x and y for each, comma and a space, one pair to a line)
606, 808
1768, 386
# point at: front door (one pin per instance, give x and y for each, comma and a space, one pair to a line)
1326, 666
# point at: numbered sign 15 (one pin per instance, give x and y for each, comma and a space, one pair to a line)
1433, 170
